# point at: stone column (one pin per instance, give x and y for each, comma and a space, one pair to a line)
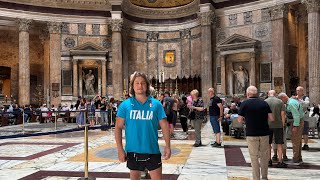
252, 69
117, 77
313, 49
75, 77
55, 61
223, 74
279, 23
104, 77
206, 52
303, 48
44, 37
24, 62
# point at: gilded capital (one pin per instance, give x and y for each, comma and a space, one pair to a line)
54, 27
116, 24
206, 17
24, 24
312, 5
279, 11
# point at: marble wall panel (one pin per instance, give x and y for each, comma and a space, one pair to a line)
256, 16
152, 59
243, 30
138, 34
169, 35
73, 28
66, 65
137, 54
196, 56
89, 29
104, 29
84, 39
195, 31
262, 31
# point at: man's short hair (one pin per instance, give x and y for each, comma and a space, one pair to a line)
280, 95
252, 90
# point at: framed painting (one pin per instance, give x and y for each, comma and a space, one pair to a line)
169, 58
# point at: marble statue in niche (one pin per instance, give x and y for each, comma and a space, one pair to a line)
89, 81
241, 80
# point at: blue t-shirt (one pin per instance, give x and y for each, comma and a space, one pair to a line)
141, 123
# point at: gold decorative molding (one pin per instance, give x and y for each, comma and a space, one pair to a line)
312, 5
160, 3
160, 13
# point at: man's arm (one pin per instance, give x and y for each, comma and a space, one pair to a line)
221, 111
166, 135
118, 137
270, 117
241, 119
283, 117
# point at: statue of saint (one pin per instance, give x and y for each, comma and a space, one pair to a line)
241, 80
89, 82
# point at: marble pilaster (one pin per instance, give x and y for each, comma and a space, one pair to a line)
279, 23
104, 77
186, 52
153, 67
223, 74
24, 61
313, 49
252, 69
55, 61
44, 37
206, 53
117, 78
75, 77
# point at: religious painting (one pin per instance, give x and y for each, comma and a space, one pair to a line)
265, 72
90, 80
169, 58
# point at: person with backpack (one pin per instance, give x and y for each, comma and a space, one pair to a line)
183, 113
167, 105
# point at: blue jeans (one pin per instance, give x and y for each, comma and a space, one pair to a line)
215, 124
104, 117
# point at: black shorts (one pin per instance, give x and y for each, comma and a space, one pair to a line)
140, 162
277, 135
170, 118
305, 128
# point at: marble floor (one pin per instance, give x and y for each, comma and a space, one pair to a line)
47, 153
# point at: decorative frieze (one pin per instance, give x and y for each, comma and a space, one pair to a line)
312, 5
279, 11
185, 34
247, 17
54, 27
116, 24
69, 42
96, 29
82, 29
24, 24
233, 19
206, 18
265, 15
152, 36
65, 28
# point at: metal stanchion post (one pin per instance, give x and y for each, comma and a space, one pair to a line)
111, 118
86, 156
55, 121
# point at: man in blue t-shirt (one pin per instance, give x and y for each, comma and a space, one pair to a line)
141, 115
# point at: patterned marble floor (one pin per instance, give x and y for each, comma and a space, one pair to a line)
60, 155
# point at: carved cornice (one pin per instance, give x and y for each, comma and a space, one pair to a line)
54, 27
279, 11
185, 34
116, 25
24, 24
152, 36
160, 13
312, 5
206, 18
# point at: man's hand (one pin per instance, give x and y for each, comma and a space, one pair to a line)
220, 119
295, 129
167, 153
122, 155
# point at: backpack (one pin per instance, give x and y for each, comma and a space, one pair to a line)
168, 107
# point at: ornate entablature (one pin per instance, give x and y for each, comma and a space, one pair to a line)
160, 3
160, 13
237, 42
